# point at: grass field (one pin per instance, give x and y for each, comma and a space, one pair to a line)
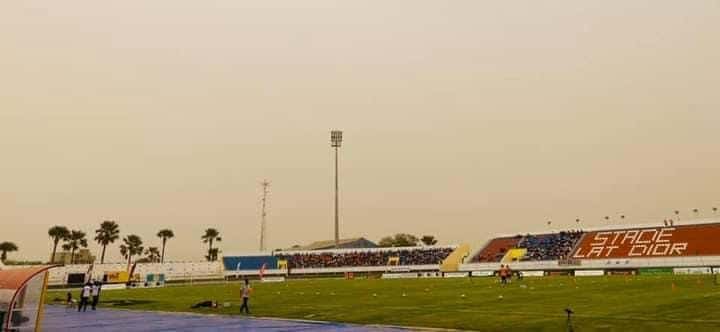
640, 303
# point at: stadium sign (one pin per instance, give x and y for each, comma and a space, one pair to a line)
692, 240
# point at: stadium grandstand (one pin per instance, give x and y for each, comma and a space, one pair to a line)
629, 250
338, 260
605, 250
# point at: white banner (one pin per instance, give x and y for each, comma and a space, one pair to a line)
589, 273
533, 273
692, 270
399, 275
113, 287
484, 273
273, 279
455, 274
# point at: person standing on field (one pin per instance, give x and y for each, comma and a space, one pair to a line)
503, 274
95, 292
245, 293
84, 297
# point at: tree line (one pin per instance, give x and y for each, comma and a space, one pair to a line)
108, 233
406, 240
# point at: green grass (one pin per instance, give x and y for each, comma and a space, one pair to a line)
640, 303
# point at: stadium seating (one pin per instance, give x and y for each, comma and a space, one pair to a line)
514, 255
365, 257
251, 262
548, 247
496, 249
610, 249
540, 247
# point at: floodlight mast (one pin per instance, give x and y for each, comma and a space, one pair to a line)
336, 142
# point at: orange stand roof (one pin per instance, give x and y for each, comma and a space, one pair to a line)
16, 278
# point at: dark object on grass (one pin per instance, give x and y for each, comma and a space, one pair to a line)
205, 304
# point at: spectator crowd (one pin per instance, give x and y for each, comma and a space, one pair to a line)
548, 247
543, 247
419, 256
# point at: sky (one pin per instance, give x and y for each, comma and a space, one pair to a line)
461, 119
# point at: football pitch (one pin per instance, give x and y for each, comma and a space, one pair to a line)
611, 303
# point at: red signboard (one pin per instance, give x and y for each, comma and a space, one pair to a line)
690, 240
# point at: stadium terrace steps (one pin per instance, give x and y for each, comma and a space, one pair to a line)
514, 255
452, 262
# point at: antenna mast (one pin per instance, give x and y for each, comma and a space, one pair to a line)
265, 184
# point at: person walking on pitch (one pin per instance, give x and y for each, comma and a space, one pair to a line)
245, 292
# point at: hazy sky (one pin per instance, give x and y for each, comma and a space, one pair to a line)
462, 119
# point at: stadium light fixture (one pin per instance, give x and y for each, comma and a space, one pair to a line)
336, 142
336, 138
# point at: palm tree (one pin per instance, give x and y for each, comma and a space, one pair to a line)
6, 247
212, 254
153, 254
57, 233
108, 232
164, 234
132, 245
73, 242
211, 235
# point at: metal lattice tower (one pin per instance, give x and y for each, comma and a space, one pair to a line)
265, 184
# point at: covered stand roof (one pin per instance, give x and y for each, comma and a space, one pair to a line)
14, 279
12, 282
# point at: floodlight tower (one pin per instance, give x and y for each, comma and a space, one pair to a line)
335, 142
265, 184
